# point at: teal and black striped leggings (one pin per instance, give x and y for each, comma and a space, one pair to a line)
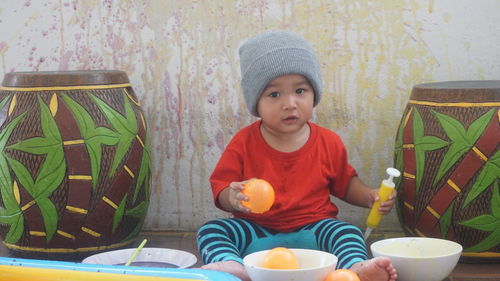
234, 238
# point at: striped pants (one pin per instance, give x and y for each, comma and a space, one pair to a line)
234, 238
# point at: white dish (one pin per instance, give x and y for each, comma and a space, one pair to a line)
149, 257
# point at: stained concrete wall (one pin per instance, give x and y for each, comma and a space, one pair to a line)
181, 57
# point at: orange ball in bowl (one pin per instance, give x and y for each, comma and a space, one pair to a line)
281, 258
342, 275
260, 196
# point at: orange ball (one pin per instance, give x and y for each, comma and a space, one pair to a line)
280, 258
342, 275
260, 196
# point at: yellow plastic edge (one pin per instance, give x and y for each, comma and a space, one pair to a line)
16, 273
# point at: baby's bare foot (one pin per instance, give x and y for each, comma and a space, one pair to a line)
376, 269
233, 267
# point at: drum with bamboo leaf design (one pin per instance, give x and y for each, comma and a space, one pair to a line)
74, 163
447, 147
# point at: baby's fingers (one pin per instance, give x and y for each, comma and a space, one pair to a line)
237, 186
242, 208
236, 197
386, 206
384, 210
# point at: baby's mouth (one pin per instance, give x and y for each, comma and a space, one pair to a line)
290, 118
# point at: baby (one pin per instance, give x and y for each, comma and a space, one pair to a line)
305, 163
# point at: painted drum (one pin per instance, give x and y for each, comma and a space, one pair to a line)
75, 163
447, 148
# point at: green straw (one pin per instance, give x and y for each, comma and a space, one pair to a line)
134, 254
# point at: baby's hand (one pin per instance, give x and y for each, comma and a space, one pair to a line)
236, 196
385, 206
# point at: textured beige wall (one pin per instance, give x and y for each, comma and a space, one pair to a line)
181, 57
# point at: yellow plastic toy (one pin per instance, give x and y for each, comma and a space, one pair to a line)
386, 189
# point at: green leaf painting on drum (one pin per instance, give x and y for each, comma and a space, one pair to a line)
446, 221
144, 179
489, 174
487, 223
11, 213
398, 149
119, 214
124, 126
94, 137
52, 170
422, 144
138, 212
461, 140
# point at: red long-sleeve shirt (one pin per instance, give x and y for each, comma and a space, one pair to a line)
302, 180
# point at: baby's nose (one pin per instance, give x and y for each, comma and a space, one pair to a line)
290, 101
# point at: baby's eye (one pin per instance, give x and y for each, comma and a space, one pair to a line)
300, 91
274, 94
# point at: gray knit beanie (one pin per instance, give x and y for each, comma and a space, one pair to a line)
272, 54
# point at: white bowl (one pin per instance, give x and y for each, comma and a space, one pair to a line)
149, 257
419, 258
314, 266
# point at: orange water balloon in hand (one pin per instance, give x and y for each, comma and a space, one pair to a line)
281, 258
260, 196
342, 275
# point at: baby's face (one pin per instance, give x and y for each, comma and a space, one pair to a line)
286, 104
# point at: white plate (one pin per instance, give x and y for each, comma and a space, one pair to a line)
159, 257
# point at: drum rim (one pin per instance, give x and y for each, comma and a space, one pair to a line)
459, 93
64, 78
460, 85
